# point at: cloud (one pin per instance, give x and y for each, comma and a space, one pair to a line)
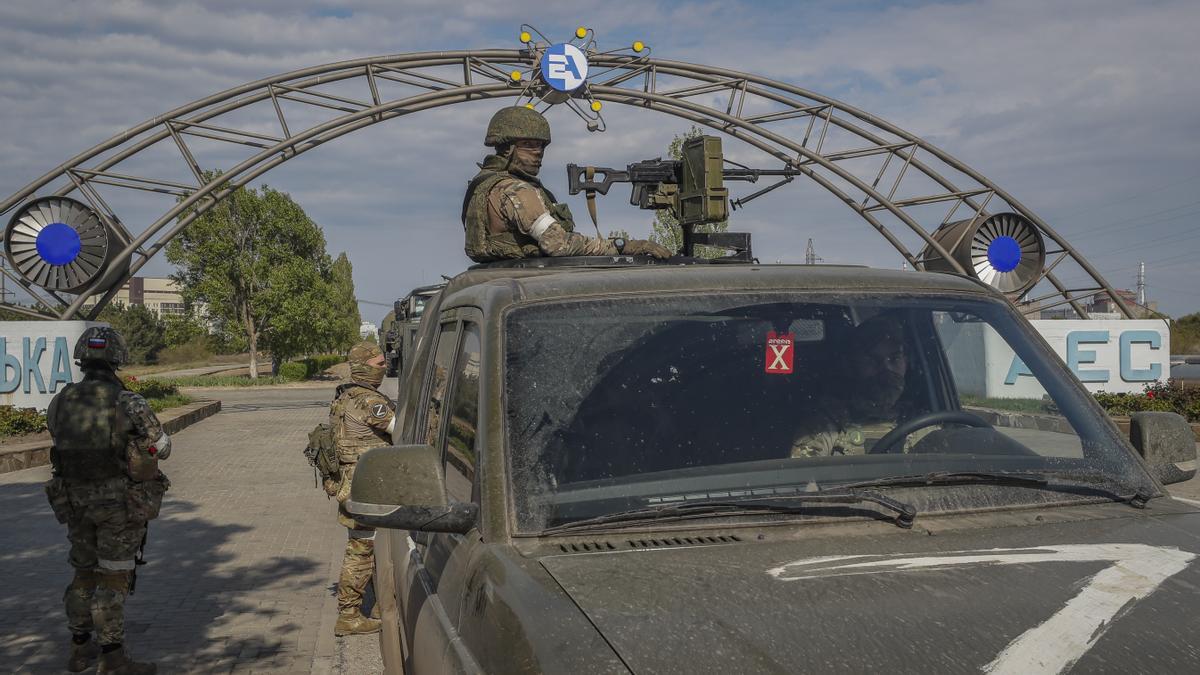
1068, 105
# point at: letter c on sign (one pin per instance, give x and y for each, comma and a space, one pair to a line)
1130, 338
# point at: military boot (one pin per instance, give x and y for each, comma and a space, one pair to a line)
117, 662
82, 656
354, 623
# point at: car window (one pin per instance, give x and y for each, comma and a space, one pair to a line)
620, 404
439, 380
1015, 403
459, 449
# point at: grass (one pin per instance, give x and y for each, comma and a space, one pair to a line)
171, 401
218, 360
224, 381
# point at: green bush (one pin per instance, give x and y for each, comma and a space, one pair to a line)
293, 372
17, 421
1155, 397
315, 365
151, 388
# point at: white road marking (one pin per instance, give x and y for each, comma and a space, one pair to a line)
1056, 644
1185, 500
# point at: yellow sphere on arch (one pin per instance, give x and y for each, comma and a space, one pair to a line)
638, 46
525, 36
529, 105
581, 32
596, 106
515, 75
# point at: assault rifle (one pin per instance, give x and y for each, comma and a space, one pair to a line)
692, 188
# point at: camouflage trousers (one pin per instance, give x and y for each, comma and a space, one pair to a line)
358, 564
104, 543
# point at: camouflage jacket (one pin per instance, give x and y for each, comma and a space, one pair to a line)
506, 216
826, 435
361, 418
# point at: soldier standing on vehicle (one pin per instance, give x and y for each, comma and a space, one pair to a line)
508, 213
361, 418
106, 487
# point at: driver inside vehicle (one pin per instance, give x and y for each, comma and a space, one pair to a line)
866, 399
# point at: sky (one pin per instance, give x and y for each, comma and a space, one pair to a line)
1085, 111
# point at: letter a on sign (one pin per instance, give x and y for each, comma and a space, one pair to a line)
779, 353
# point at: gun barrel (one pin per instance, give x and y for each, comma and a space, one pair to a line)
752, 175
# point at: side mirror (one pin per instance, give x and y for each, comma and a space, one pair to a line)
1166, 442
402, 488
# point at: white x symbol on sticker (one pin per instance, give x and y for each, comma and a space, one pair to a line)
777, 354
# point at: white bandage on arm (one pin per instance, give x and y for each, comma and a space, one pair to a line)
392, 425
540, 226
163, 446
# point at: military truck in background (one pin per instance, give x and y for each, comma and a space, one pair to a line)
399, 327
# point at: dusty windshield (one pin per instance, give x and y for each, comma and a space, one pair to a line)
620, 404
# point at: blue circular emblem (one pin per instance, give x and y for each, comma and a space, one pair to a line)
58, 243
1004, 253
564, 67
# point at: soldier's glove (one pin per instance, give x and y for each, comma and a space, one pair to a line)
644, 247
330, 486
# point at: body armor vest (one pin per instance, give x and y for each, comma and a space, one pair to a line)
347, 417
483, 245
91, 431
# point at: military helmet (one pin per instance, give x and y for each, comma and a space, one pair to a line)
512, 123
102, 343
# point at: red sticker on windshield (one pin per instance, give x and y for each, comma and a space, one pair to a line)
780, 349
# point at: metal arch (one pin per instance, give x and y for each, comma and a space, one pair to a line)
752, 106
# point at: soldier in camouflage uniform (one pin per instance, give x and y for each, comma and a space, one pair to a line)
865, 405
106, 487
361, 418
508, 213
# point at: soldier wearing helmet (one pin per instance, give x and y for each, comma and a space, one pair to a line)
106, 487
508, 213
361, 418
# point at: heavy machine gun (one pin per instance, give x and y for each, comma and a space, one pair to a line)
692, 188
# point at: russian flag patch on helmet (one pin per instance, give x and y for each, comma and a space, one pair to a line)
97, 343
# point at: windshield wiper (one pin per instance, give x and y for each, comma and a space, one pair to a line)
1035, 479
905, 513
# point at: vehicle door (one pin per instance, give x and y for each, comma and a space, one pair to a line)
438, 561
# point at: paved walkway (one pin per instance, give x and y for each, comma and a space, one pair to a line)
242, 562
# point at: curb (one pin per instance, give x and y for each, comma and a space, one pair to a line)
37, 453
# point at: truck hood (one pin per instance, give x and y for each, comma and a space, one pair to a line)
1109, 595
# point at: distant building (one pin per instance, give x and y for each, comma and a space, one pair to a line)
368, 331
157, 294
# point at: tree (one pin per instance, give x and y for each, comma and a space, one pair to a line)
345, 330
665, 228
1185, 334
259, 263
180, 329
141, 328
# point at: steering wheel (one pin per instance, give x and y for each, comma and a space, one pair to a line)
907, 427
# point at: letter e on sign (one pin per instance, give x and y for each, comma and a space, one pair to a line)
780, 350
